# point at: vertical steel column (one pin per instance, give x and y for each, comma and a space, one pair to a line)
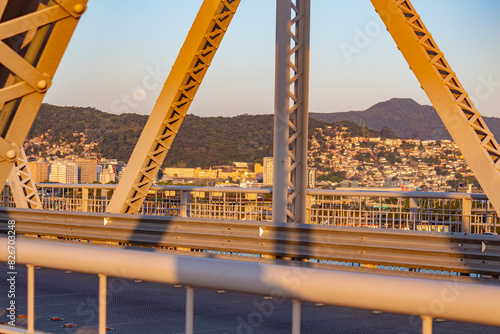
291, 111
31, 298
102, 303
189, 310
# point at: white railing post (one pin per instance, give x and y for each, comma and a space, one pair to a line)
102, 303
85, 200
185, 196
466, 215
308, 209
413, 211
104, 199
296, 310
189, 310
489, 218
31, 298
426, 324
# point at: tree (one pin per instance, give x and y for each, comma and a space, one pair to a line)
453, 184
387, 132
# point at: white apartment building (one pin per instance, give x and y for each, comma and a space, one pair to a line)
63, 172
267, 171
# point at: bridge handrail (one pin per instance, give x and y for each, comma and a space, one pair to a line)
457, 252
390, 209
425, 298
396, 194
324, 192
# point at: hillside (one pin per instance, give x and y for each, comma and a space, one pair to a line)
116, 134
210, 141
406, 117
201, 141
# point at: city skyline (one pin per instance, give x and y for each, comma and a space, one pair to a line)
368, 161
123, 69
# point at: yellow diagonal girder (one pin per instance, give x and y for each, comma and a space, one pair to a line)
449, 98
44, 31
172, 105
23, 185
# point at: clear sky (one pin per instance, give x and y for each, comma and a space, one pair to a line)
120, 46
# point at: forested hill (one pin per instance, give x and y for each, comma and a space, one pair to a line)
201, 141
116, 134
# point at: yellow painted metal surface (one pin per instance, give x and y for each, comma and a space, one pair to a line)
445, 92
23, 185
44, 35
171, 107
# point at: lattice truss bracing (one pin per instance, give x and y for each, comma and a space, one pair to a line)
23, 185
445, 91
171, 107
291, 114
33, 37
450, 80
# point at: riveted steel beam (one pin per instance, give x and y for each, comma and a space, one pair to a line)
33, 38
22, 184
446, 93
173, 103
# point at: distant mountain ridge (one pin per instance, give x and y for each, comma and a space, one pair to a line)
201, 141
211, 141
406, 117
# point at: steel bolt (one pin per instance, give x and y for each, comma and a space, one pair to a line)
42, 84
11, 154
78, 8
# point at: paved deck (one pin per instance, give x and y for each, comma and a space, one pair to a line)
146, 307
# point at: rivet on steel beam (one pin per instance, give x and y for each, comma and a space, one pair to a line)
42, 85
78, 8
11, 154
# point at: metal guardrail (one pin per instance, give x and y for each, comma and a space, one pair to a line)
422, 298
424, 211
413, 250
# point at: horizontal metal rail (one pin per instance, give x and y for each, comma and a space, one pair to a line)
423, 298
454, 252
396, 194
340, 192
424, 211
